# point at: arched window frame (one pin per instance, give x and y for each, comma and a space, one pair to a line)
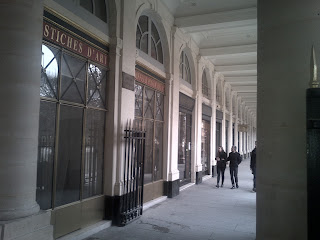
234, 105
227, 99
184, 68
153, 45
205, 85
219, 92
99, 11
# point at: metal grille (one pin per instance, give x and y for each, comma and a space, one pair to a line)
133, 172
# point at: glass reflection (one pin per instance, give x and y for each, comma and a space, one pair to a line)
46, 149
69, 156
148, 162
96, 86
205, 146
73, 75
93, 162
49, 72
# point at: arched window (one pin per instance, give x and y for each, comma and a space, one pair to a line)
227, 100
234, 105
219, 92
184, 68
148, 38
96, 7
205, 86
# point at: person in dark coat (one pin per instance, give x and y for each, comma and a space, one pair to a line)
234, 159
221, 165
253, 165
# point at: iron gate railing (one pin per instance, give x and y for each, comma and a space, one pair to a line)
133, 172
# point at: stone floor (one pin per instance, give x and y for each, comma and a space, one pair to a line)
199, 212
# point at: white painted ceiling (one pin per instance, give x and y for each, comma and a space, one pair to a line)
226, 33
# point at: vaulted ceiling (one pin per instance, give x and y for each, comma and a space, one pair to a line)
226, 33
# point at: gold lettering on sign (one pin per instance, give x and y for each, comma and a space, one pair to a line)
149, 81
75, 45
58, 35
69, 42
66, 40
89, 52
80, 47
46, 31
61, 39
52, 33
101, 58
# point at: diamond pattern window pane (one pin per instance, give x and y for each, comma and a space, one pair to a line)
49, 71
97, 80
73, 79
149, 103
159, 106
138, 100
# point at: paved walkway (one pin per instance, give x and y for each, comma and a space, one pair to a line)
199, 212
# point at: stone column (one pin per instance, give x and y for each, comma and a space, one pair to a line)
198, 122
173, 120
236, 142
230, 127
213, 124
223, 125
20, 54
122, 71
240, 143
284, 50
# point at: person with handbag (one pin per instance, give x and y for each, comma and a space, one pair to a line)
235, 159
221, 165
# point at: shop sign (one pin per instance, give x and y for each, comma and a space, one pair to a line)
57, 36
149, 81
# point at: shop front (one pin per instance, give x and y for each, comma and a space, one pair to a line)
185, 138
205, 139
73, 109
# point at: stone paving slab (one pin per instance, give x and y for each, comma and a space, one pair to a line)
199, 212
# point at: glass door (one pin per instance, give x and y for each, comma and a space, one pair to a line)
184, 153
205, 147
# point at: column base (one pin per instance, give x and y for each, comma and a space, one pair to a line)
171, 188
8, 215
113, 204
35, 227
199, 177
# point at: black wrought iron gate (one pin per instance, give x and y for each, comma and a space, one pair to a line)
133, 172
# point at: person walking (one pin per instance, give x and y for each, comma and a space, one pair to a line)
253, 165
221, 165
235, 159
